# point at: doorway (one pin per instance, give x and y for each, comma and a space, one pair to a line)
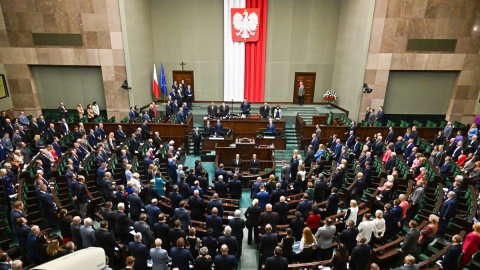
187, 76
308, 79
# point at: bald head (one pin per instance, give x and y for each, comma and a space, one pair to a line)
268, 207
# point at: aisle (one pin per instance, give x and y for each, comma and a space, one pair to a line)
249, 259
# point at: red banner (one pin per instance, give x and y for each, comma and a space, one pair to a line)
245, 24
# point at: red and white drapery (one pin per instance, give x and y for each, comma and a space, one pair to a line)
244, 63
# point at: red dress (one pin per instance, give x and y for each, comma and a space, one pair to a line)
313, 221
470, 246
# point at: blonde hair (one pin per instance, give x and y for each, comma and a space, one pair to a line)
255, 202
353, 203
433, 218
52, 248
476, 227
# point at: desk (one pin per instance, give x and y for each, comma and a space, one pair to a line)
209, 143
248, 127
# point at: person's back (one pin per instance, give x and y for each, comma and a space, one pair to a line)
159, 257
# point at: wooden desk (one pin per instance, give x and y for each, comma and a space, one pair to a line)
278, 143
210, 143
248, 127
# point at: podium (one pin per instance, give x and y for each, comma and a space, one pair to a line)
245, 147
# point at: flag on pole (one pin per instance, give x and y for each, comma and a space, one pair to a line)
163, 82
155, 89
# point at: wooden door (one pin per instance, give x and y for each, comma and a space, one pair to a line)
308, 79
187, 76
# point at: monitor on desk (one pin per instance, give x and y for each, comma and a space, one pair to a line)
268, 134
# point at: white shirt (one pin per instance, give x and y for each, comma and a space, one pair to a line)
136, 183
365, 230
353, 215
379, 226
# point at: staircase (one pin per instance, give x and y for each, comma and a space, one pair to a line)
306, 112
292, 143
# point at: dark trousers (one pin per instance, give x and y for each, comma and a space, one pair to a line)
254, 230
300, 100
324, 254
196, 149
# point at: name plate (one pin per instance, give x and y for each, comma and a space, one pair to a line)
269, 137
217, 138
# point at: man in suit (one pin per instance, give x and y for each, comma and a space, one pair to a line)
371, 117
332, 204
414, 134
88, 233
107, 215
182, 214
218, 129
325, 239
286, 170
215, 202
337, 179
450, 147
360, 255
162, 230
237, 225
197, 139
21, 232
410, 240
263, 197
224, 110
450, 258
180, 117
62, 110
305, 206
106, 241
75, 229
237, 162
446, 168
212, 110
271, 127
309, 156
380, 115
360, 187
197, 206
245, 107
377, 148
473, 145
136, 205
143, 228
230, 241
408, 149
447, 212
17, 212
276, 194
440, 158
276, 262
47, 204
214, 222
224, 260
235, 187
282, 208
390, 135
34, 127
320, 189
159, 256
221, 187
265, 110
122, 223
268, 217
168, 109
139, 251
458, 150
409, 263
268, 242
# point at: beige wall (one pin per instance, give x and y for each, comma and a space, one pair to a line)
301, 37
139, 56
351, 52
190, 31
99, 23
396, 21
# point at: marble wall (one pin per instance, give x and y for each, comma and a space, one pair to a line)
99, 23
396, 21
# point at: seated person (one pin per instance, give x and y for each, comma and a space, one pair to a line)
212, 110
224, 110
271, 127
219, 128
254, 162
277, 113
207, 129
265, 111
245, 107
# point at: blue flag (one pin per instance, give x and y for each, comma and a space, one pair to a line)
163, 82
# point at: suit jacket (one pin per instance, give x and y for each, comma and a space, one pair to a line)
268, 242
268, 217
237, 225
144, 229
324, 235
160, 258
221, 188
197, 207
122, 223
265, 111
225, 261
212, 110
282, 209
224, 111
408, 150
245, 107
450, 258
304, 207
235, 187
286, 172
141, 254
215, 223
88, 236
332, 204
162, 230
448, 210
378, 149
46, 203
276, 263
410, 267
184, 217
136, 204
231, 243
410, 241
360, 257
196, 137
107, 242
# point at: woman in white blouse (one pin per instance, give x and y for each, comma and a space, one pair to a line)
379, 229
306, 245
352, 212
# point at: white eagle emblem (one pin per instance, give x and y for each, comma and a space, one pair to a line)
246, 25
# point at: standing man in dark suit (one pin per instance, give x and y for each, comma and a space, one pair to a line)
197, 139
122, 223
62, 110
390, 135
410, 240
230, 241
237, 225
75, 229
225, 261
189, 96
350, 140
360, 255
305, 206
218, 128
136, 205
281, 208
212, 110
143, 228
197, 206
446, 168
221, 187
235, 187
447, 212
276, 262
268, 217
332, 204
47, 205
245, 107
265, 110
268, 242
215, 223
106, 241
237, 162
380, 115
349, 236
359, 188
224, 110
450, 258
286, 170
140, 252
377, 148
